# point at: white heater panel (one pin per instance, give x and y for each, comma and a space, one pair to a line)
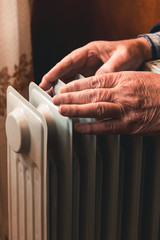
27, 143
59, 155
61, 142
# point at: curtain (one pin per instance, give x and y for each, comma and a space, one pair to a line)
15, 70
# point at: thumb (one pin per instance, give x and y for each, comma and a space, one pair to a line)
114, 64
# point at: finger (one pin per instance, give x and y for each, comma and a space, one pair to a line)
102, 127
85, 96
99, 81
54, 74
50, 92
67, 67
92, 110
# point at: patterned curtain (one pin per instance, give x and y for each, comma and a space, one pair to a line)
16, 70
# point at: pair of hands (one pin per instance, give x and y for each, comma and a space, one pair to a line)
122, 102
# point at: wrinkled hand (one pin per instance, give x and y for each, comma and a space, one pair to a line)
122, 103
100, 57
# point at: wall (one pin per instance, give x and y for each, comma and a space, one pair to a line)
124, 19
59, 27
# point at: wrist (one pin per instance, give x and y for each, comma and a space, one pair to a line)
146, 48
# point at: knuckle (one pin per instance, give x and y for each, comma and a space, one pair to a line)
45, 79
95, 96
122, 110
112, 128
87, 96
125, 51
91, 44
73, 111
104, 95
101, 95
117, 128
130, 123
73, 85
96, 81
100, 110
73, 53
76, 111
69, 98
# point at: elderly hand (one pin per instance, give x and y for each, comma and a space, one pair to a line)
100, 57
122, 103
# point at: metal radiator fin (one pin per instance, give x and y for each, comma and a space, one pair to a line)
60, 144
27, 143
59, 160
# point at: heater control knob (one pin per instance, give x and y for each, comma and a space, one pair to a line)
17, 131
